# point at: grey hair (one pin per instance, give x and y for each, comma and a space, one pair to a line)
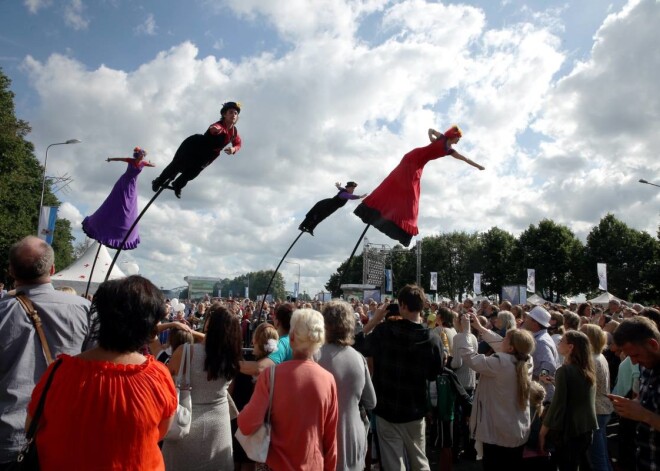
507, 319
31, 258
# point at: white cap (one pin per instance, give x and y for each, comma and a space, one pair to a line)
540, 315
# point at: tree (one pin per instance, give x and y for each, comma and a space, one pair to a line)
631, 257
555, 253
455, 257
20, 184
497, 268
353, 276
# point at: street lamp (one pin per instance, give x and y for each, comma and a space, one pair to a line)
296, 263
43, 180
648, 183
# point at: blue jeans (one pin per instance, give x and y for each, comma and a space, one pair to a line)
599, 456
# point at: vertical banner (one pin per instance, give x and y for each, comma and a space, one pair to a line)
602, 276
476, 284
47, 219
388, 280
295, 290
434, 281
531, 280
247, 292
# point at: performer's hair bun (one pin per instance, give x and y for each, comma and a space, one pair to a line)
351, 184
230, 105
138, 152
453, 132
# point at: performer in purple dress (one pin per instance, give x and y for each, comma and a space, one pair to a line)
109, 224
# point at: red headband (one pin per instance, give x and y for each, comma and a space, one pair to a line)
453, 132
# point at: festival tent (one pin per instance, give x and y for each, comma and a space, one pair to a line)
603, 298
76, 275
536, 300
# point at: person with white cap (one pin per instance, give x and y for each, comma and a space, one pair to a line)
546, 358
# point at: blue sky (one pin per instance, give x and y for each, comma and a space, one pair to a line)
558, 101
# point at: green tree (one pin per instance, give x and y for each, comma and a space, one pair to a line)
632, 259
497, 268
352, 276
555, 253
20, 185
455, 257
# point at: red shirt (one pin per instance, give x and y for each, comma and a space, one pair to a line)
103, 416
303, 416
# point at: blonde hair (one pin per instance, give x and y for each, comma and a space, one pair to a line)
66, 289
262, 334
597, 337
522, 343
307, 327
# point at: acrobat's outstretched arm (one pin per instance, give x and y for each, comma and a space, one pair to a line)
459, 156
119, 159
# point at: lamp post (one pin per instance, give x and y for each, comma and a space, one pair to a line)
43, 180
296, 263
648, 183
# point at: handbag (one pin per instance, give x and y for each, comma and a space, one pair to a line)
180, 427
256, 445
28, 458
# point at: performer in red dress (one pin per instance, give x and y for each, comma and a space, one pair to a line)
393, 206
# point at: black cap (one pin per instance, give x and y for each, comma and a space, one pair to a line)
351, 184
230, 105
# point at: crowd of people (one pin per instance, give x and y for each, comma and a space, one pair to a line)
345, 385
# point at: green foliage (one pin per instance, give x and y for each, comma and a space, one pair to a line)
353, 276
257, 282
632, 259
20, 185
564, 266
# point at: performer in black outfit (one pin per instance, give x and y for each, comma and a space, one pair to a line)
326, 207
199, 150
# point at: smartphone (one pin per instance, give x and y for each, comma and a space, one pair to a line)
544, 372
393, 309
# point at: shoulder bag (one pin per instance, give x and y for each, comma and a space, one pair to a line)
180, 427
28, 458
256, 445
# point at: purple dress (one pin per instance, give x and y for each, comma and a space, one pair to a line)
110, 223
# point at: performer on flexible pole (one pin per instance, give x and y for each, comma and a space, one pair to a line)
326, 207
110, 224
198, 151
394, 205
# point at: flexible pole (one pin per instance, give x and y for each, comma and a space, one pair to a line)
114, 260
263, 300
91, 273
348, 264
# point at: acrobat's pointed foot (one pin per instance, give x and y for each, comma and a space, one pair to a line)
306, 229
156, 184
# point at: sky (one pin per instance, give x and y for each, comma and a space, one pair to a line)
558, 100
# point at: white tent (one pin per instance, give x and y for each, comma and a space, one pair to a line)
536, 300
603, 298
76, 275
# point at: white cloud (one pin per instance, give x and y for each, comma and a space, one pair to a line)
34, 6
74, 15
336, 108
148, 27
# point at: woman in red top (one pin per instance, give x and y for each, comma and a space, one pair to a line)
108, 407
304, 409
392, 208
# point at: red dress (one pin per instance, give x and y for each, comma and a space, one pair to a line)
393, 206
103, 416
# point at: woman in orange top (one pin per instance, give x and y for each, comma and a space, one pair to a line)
108, 407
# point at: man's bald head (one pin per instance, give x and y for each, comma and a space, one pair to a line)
31, 261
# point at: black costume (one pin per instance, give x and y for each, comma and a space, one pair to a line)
197, 152
326, 207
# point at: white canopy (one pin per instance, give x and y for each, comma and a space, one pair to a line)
76, 275
603, 298
536, 300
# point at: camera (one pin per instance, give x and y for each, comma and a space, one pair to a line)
392, 309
